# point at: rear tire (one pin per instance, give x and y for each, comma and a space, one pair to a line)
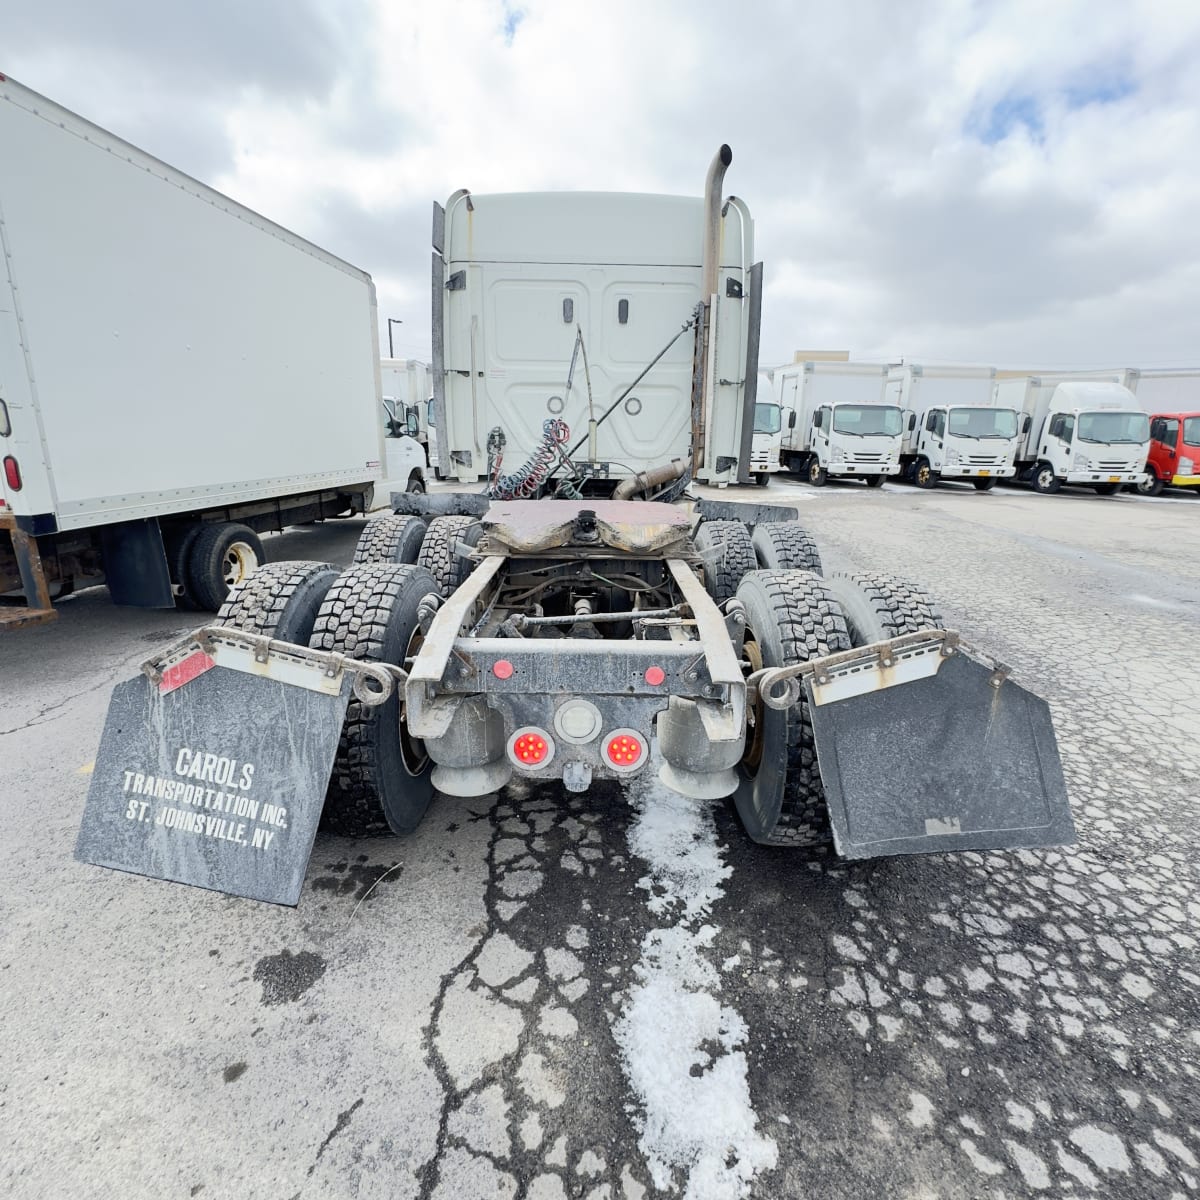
734, 556
762, 478
785, 546
1152, 486
815, 473
381, 778
415, 483
393, 538
280, 600
984, 485
878, 607
1044, 480
221, 556
178, 543
439, 550
791, 617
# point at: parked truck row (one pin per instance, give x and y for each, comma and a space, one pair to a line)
925, 423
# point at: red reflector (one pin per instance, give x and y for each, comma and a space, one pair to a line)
655, 676
502, 669
185, 671
12, 473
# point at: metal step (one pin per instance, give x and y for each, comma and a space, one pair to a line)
10, 618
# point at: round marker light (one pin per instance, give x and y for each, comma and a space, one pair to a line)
655, 675
502, 669
578, 721
530, 747
624, 750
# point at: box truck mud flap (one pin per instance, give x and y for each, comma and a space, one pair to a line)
924, 748
213, 764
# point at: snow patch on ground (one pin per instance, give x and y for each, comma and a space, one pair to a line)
680, 1046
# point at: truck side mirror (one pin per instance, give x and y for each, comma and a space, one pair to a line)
931, 422
817, 419
792, 419
912, 422
1056, 426
1026, 423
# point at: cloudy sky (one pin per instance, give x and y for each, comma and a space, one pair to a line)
1014, 183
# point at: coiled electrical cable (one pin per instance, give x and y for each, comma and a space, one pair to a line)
525, 482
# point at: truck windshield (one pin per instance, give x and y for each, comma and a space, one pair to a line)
867, 420
1191, 431
766, 418
1110, 427
983, 423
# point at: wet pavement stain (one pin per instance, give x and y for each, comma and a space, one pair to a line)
233, 1072
357, 878
285, 976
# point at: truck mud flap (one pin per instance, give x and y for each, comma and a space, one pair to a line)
213, 766
924, 748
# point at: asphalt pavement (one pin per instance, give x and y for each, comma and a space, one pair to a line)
618, 995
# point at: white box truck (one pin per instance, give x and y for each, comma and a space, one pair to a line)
406, 390
838, 421
572, 344
768, 431
953, 427
1077, 431
177, 374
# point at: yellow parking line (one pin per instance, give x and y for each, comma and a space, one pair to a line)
87, 768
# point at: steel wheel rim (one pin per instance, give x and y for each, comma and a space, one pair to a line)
239, 563
752, 758
412, 750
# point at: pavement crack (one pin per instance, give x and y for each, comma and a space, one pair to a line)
343, 1119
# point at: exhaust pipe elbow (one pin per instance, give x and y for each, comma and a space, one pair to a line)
713, 185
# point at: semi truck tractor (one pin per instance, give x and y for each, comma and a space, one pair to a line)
839, 421
768, 432
1085, 432
579, 618
177, 374
953, 427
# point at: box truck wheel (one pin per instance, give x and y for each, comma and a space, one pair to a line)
222, 555
1044, 480
415, 483
728, 554
924, 476
791, 616
762, 478
1106, 489
785, 546
878, 607
815, 473
280, 600
874, 480
439, 550
394, 539
381, 776
1149, 484
984, 485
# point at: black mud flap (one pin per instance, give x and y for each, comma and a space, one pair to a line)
215, 776
945, 762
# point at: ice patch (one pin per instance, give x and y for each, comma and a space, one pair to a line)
680, 1047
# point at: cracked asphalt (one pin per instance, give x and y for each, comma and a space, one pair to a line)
449, 1015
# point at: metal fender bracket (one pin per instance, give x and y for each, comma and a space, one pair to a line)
923, 747
213, 763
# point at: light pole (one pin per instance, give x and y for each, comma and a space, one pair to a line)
392, 321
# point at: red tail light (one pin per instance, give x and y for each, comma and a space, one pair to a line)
624, 750
530, 747
12, 473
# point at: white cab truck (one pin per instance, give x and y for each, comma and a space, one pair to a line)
177, 374
838, 421
597, 340
406, 392
953, 427
1089, 432
768, 432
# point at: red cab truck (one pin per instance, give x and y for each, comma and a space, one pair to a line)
1174, 459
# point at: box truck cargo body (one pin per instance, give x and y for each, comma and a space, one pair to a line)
953, 427
571, 342
1086, 432
839, 421
170, 363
